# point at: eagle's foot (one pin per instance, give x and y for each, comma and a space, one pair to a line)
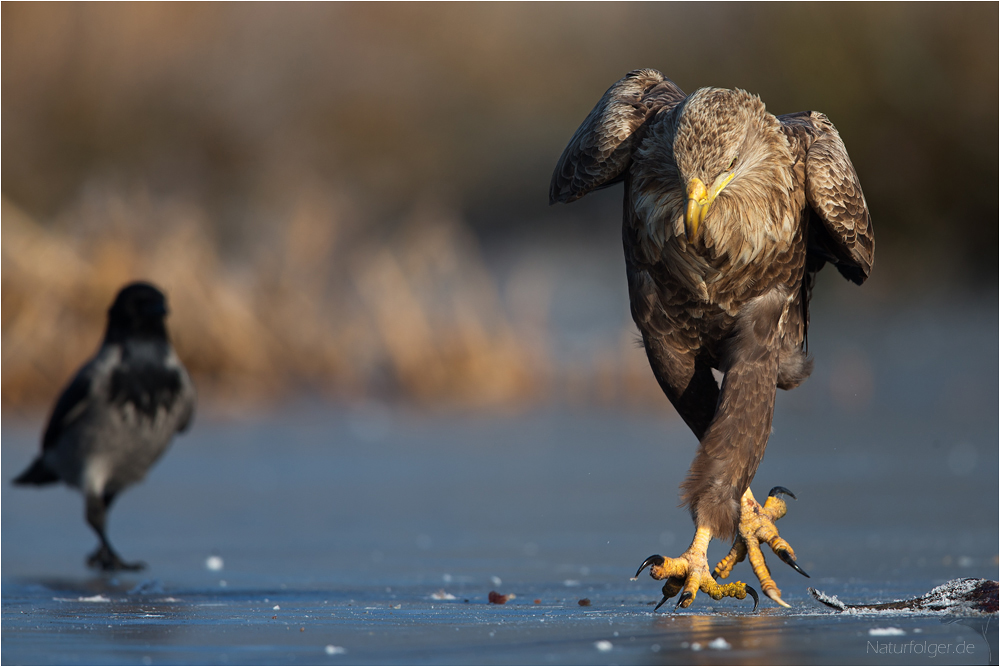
105, 558
756, 527
689, 574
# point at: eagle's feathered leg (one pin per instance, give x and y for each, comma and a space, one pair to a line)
732, 445
757, 527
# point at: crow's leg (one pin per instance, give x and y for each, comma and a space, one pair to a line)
105, 557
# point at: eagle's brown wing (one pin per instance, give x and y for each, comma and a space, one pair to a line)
599, 152
846, 237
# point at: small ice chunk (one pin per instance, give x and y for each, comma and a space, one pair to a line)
719, 644
696, 646
214, 563
442, 595
604, 645
571, 582
886, 632
335, 650
94, 598
276, 607
147, 587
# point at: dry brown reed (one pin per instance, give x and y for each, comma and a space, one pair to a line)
320, 307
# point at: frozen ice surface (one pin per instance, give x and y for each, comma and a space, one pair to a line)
349, 533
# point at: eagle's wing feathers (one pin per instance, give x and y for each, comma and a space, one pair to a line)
833, 191
599, 152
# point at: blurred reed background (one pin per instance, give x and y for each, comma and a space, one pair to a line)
351, 199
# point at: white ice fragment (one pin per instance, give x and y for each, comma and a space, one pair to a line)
93, 598
442, 595
276, 607
571, 582
719, 644
214, 563
335, 650
886, 632
696, 646
604, 646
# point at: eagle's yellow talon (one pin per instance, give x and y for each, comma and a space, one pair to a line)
689, 573
757, 527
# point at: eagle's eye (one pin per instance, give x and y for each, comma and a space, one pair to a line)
732, 163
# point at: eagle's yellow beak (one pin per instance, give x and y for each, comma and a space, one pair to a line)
699, 199
697, 206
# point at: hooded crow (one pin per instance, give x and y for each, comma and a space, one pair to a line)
118, 415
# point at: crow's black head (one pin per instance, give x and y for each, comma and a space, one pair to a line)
138, 312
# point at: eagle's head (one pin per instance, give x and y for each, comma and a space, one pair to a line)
729, 153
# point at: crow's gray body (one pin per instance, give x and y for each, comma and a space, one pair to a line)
118, 415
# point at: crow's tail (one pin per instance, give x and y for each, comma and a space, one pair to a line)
37, 474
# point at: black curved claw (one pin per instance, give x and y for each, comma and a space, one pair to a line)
783, 555
756, 598
685, 596
779, 490
660, 603
655, 559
